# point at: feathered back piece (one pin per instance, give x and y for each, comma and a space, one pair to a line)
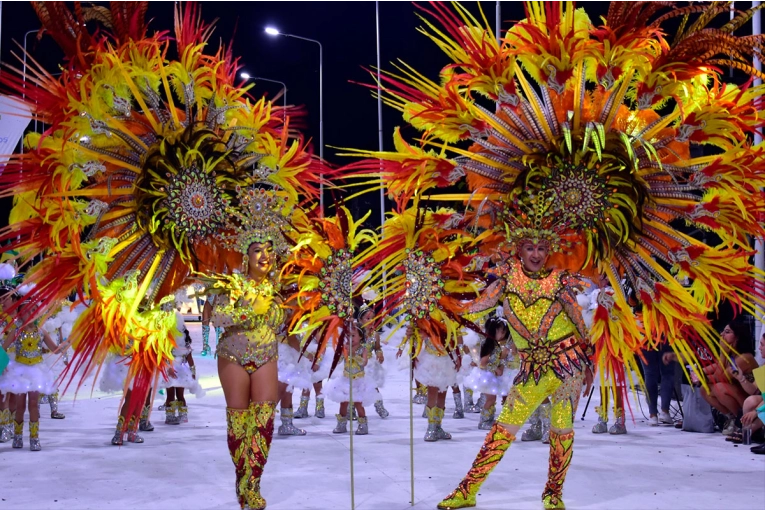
142, 157
320, 278
602, 119
417, 273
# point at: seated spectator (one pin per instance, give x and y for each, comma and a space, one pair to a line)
754, 410
727, 392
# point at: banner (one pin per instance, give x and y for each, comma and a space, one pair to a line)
14, 119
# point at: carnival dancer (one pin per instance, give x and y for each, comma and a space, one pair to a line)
438, 371
294, 373
492, 377
27, 376
8, 283
319, 368
375, 372
548, 330
182, 376
353, 384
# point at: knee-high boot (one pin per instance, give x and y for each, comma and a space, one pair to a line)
495, 445
236, 430
561, 451
260, 432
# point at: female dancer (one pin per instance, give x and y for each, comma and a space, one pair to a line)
375, 371
492, 378
338, 389
27, 376
553, 363
248, 307
182, 377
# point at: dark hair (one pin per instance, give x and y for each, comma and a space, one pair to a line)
492, 327
188, 336
743, 332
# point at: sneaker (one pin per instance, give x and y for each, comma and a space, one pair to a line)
730, 427
665, 419
653, 421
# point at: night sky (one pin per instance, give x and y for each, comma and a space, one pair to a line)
347, 33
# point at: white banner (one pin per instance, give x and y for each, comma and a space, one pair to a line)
14, 119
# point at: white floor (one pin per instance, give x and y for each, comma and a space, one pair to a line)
188, 466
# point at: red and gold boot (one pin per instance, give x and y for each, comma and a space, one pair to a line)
260, 432
561, 451
236, 430
495, 445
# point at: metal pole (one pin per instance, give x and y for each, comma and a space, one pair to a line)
321, 109
498, 21
24, 81
759, 259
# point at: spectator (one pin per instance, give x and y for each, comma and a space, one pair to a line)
754, 409
726, 392
655, 371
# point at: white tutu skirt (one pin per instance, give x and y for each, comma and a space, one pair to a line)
436, 371
483, 381
338, 390
324, 365
291, 372
183, 379
374, 372
20, 378
113, 375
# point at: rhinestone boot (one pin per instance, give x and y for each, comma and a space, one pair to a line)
342, 425
459, 411
561, 451
534, 432
469, 405
145, 425
302, 410
53, 402
319, 413
380, 408
18, 435
497, 441
287, 428
118, 433
363, 428
619, 426
34, 436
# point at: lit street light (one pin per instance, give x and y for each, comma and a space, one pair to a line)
275, 32
246, 76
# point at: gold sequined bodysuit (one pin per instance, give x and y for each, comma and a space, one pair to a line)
545, 322
29, 344
354, 369
251, 318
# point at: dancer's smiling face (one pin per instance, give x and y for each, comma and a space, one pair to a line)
534, 256
260, 259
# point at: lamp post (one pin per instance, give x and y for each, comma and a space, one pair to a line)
246, 76
275, 32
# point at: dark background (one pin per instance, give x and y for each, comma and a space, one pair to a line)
348, 35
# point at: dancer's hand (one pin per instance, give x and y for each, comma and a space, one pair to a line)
588, 378
171, 372
380, 357
399, 353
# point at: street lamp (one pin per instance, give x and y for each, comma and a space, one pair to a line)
246, 76
275, 32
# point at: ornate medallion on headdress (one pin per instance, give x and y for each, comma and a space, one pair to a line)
260, 216
322, 269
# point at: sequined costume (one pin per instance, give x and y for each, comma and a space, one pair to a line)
27, 372
548, 330
338, 389
251, 319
